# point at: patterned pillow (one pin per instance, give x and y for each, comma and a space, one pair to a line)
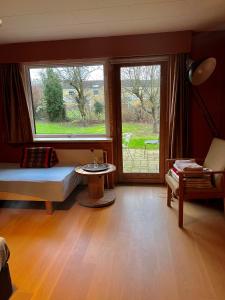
38, 157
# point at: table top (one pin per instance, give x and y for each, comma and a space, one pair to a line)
111, 168
152, 142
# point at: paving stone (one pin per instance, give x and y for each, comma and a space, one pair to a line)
141, 161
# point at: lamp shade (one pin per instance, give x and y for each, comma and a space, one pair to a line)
199, 72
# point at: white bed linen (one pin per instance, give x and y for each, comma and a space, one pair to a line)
52, 184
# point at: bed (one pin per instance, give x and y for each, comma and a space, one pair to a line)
45, 184
5, 279
37, 184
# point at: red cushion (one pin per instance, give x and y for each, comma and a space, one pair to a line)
38, 157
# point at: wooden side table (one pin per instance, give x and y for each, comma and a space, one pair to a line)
96, 196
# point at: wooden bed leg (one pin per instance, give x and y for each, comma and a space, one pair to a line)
49, 207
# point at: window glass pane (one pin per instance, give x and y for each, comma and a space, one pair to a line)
68, 99
140, 108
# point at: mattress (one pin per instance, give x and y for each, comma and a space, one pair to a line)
4, 253
51, 184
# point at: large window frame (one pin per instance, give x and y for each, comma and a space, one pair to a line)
69, 137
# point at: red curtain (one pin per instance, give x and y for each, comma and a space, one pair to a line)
178, 107
14, 109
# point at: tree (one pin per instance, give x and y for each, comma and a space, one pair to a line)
39, 107
53, 96
143, 83
76, 76
98, 106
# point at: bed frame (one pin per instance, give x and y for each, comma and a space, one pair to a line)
22, 197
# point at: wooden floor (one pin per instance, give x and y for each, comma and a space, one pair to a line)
132, 250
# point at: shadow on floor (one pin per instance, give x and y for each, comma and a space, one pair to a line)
65, 205
216, 204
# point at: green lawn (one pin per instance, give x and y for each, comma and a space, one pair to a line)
140, 132
68, 128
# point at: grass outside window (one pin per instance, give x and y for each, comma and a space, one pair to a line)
140, 132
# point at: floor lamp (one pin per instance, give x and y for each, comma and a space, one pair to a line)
199, 72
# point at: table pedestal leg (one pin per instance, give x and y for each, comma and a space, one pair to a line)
96, 196
96, 186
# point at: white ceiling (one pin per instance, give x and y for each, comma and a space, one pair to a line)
41, 20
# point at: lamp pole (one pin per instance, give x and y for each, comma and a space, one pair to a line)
207, 116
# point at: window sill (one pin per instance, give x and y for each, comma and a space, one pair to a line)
72, 140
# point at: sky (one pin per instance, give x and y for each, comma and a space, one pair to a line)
95, 75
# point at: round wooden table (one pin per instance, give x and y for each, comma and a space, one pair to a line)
96, 196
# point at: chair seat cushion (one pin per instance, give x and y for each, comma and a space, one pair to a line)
215, 160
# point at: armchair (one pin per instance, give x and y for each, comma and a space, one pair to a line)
215, 162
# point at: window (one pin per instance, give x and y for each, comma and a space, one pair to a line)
67, 100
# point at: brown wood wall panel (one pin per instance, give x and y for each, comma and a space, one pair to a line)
208, 44
116, 46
